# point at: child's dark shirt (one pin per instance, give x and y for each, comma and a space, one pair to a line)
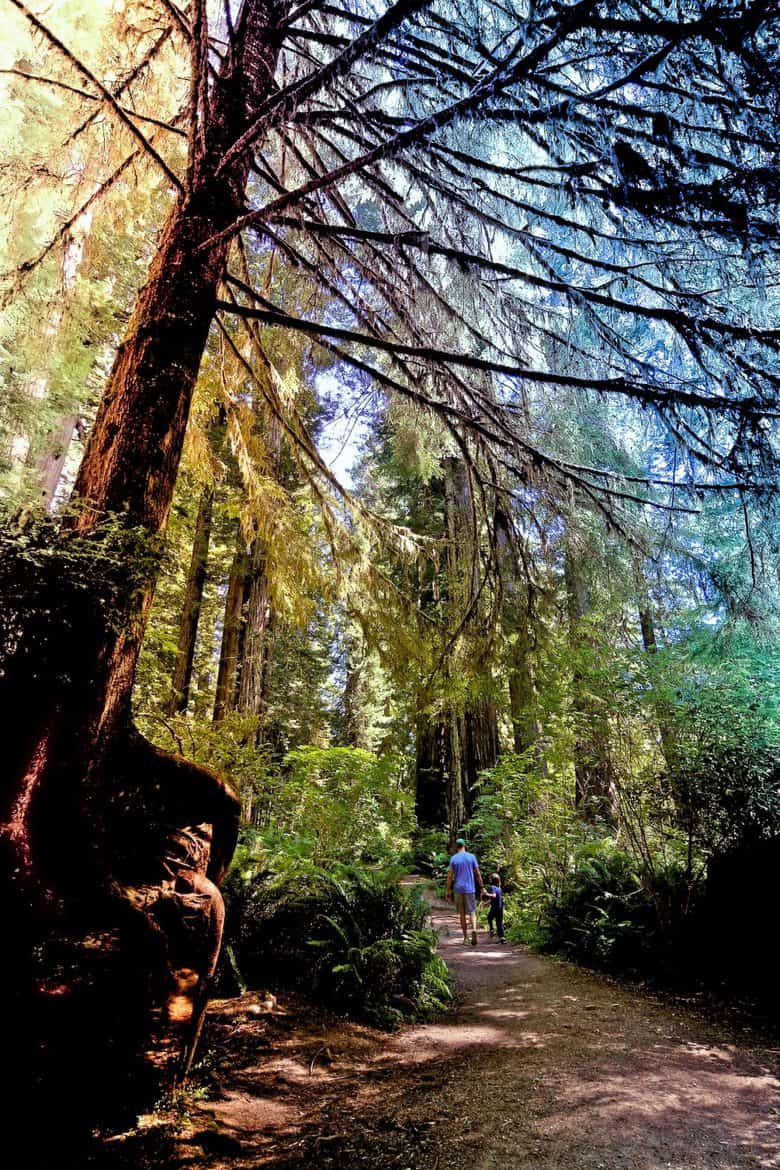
498, 900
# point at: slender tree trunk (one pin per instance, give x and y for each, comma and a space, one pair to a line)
594, 784
457, 779
225, 697
650, 646
356, 697
193, 599
257, 614
51, 461
111, 849
255, 648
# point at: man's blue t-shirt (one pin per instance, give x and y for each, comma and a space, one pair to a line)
498, 901
463, 866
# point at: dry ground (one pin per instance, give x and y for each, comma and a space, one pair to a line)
540, 1067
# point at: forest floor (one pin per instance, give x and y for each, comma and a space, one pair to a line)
540, 1066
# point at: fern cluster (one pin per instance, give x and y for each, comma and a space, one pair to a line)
358, 942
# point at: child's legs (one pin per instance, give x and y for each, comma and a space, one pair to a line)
491, 918
499, 920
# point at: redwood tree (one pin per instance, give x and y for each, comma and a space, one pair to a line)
108, 837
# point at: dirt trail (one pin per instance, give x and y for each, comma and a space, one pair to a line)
541, 1067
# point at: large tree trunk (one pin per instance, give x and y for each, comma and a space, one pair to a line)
527, 730
111, 849
451, 753
193, 600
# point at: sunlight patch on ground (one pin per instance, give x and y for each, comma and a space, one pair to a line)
247, 1113
644, 1103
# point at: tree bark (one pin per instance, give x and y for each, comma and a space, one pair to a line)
451, 752
650, 646
254, 648
225, 696
523, 696
50, 462
193, 599
594, 784
74, 765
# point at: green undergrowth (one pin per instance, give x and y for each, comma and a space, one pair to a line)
352, 939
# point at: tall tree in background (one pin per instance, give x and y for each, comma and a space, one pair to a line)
491, 202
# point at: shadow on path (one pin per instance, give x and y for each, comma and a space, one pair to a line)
541, 1066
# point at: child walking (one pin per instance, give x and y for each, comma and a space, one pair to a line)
496, 912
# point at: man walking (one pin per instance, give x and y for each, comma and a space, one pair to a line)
463, 881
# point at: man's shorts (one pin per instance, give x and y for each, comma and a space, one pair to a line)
465, 902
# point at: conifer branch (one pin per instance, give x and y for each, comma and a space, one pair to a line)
105, 94
91, 97
748, 407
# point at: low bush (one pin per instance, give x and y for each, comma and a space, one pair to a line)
602, 913
429, 854
608, 912
357, 942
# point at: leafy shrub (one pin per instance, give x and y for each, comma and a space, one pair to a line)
724, 764
357, 942
611, 913
429, 853
524, 826
346, 803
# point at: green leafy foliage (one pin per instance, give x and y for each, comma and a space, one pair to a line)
355, 940
722, 712
429, 852
346, 803
609, 912
52, 577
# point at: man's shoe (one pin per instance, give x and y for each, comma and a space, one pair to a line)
465, 941
473, 938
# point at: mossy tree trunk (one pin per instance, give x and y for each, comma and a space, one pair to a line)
112, 850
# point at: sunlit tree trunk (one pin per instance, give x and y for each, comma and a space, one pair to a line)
110, 844
355, 715
50, 462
